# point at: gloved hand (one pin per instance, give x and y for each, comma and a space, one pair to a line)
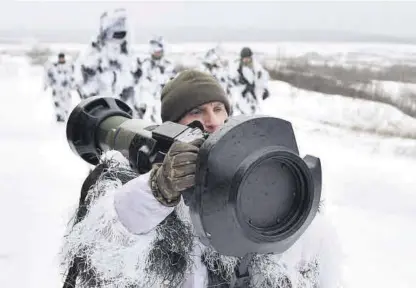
176, 174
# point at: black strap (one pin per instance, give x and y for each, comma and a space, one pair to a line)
242, 276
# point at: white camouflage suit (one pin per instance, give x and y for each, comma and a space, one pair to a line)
156, 72
59, 76
107, 68
250, 84
212, 64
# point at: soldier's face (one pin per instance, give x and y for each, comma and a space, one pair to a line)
61, 60
212, 116
119, 35
157, 54
247, 61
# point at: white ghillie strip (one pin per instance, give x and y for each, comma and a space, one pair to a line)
115, 162
183, 213
114, 254
115, 157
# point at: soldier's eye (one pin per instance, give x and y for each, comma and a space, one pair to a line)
219, 108
195, 111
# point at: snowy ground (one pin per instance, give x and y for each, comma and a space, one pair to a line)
40, 181
368, 180
356, 114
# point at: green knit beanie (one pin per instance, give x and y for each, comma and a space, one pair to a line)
188, 90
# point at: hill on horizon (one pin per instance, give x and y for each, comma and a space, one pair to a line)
205, 34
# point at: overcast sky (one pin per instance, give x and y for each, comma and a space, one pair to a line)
387, 18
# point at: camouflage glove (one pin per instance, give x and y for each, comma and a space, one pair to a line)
176, 174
